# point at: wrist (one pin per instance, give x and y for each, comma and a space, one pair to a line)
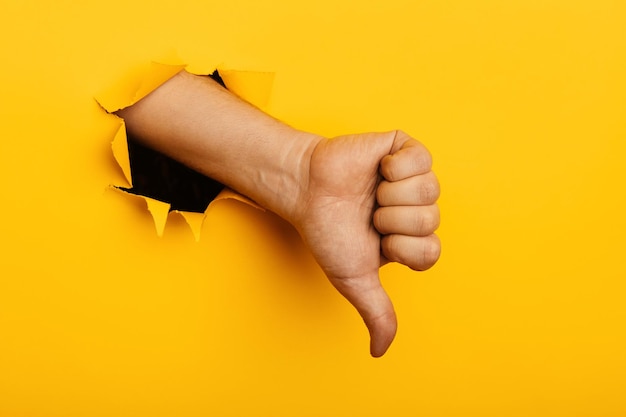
285, 182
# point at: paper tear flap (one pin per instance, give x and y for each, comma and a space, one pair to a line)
195, 221
119, 146
159, 211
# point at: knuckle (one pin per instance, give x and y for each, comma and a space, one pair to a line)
416, 222
431, 251
429, 190
438, 221
423, 160
426, 220
435, 218
418, 255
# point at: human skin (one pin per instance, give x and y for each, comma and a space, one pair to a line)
358, 201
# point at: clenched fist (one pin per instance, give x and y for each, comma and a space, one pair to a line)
370, 199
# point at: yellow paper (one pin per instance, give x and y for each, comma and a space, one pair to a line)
129, 92
252, 86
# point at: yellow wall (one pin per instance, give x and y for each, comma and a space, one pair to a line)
522, 103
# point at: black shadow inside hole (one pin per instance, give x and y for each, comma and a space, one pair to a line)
162, 178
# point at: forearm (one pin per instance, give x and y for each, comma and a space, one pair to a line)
197, 122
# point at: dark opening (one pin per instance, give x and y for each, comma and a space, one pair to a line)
162, 178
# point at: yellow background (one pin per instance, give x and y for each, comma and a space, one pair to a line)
522, 103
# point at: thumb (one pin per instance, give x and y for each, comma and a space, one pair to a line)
368, 296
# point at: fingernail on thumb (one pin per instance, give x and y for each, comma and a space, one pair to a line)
381, 336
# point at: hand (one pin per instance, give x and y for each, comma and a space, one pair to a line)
358, 201
370, 199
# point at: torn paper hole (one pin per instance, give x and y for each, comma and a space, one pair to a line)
163, 183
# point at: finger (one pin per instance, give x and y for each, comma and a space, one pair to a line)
416, 252
417, 190
412, 158
367, 295
407, 220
